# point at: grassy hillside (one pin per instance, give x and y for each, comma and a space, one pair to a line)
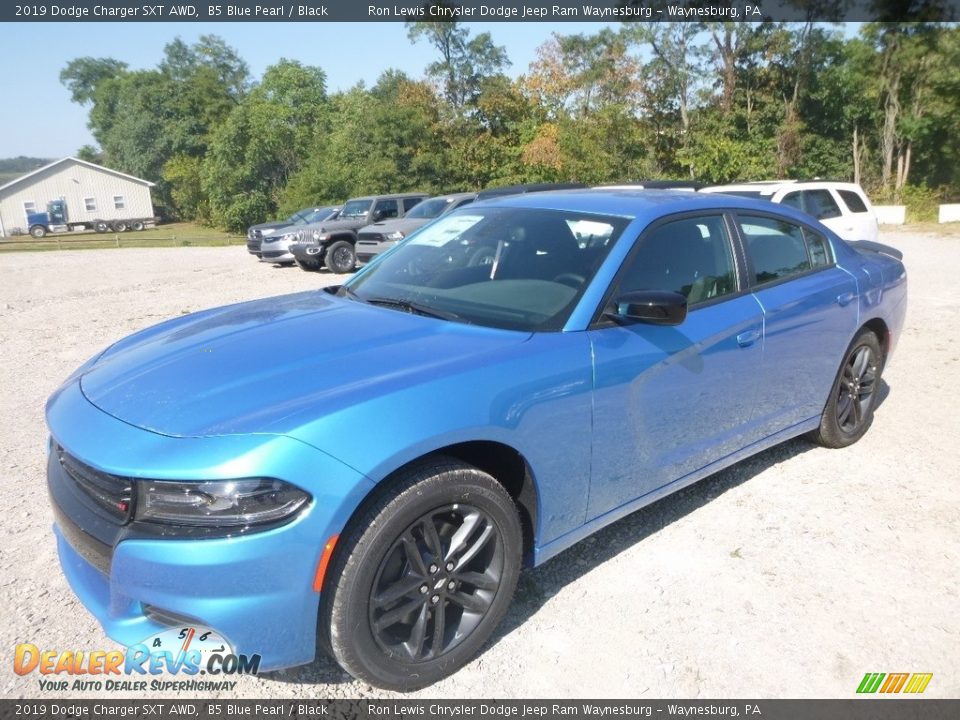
12, 168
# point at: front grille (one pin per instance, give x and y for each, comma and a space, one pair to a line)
274, 254
91, 549
109, 493
370, 237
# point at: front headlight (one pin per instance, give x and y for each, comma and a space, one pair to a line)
396, 235
320, 236
218, 503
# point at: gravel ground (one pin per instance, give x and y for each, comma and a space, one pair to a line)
790, 574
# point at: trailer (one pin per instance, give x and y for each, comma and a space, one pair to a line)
57, 220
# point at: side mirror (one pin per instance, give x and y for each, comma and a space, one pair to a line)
657, 307
379, 215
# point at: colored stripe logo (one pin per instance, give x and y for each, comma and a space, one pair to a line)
913, 683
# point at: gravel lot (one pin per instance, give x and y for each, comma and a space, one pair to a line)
789, 575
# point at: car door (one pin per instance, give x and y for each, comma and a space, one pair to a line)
670, 400
808, 302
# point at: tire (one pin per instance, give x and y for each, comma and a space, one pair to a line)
137, 225
340, 257
853, 397
38, 231
120, 226
100, 226
308, 266
392, 578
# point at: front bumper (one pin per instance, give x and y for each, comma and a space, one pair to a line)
254, 589
310, 253
277, 252
367, 250
253, 245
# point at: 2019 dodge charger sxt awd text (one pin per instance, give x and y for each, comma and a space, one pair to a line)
491, 391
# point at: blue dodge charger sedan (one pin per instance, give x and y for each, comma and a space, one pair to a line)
366, 468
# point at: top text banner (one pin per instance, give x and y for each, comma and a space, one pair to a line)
480, 11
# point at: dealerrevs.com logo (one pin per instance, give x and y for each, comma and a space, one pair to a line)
188, 651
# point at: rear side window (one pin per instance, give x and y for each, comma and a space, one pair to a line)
818, 203
387, 209
818, 249
691, 256
853, 201
409, 203
777, 248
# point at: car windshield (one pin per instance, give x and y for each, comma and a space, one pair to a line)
431, 208
299, 217
356, 208
513, 268
315, 216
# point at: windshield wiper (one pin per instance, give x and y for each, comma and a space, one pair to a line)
411, 307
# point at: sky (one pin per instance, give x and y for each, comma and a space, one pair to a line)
39, 120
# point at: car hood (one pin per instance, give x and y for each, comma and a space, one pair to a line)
273, 364
332, 225
268, 226
404, 225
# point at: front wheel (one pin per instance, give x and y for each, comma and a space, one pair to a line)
423, 578
340, 257
38, 231
853, 398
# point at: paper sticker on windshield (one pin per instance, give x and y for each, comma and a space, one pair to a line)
444, 230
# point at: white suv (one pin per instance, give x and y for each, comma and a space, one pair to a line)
842, 207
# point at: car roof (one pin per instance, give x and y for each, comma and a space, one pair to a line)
770, 187
630, 203
389, 196
453, 196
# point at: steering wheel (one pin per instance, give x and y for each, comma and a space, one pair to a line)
481, 256
571, 279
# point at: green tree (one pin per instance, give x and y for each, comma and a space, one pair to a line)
263, 143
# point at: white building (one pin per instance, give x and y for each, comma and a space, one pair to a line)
91, 193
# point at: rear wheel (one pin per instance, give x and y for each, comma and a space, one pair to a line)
340, 257
101, 226
120, 226
137, 225
424, 577
849, 411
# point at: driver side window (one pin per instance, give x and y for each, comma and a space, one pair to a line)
691, 256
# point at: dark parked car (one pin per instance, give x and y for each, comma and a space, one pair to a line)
256, 233
333, 244
374, 239
366, 468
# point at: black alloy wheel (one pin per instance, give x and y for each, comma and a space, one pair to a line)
858, 383
436, 582
848, 413
340, 257
422, 576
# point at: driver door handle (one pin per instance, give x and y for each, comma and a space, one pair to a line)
748, 338
844, 299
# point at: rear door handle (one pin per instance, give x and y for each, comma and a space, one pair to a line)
745, 339
844, 299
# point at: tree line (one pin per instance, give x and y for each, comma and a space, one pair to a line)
713, 102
